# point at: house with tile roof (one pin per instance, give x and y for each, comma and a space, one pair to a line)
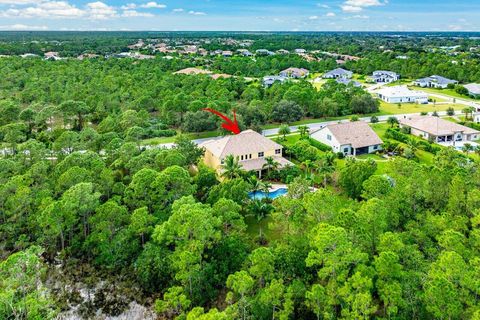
439, 130
434, 81
294, 73
249, 147
350, 138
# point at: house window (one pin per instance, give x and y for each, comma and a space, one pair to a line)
329, 137
241, 157
375, 147
260, 154
278, 151
223, 161
250, 156
346, 150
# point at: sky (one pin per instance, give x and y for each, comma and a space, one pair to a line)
241, 15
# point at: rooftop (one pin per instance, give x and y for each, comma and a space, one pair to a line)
192, 71
400, 91
436, 126
358, 133
473, 88
246, 142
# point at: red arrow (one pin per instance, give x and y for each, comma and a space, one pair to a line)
228, 124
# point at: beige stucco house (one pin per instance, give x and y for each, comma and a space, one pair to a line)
249, 147
439, 130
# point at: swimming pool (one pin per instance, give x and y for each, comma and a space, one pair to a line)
259, 195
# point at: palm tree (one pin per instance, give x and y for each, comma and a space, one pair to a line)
303, 131
468, 112
231, 168
477, 150
392, 121
284, 130
326, 167
257, 185
307, 165
467, 147
271, 165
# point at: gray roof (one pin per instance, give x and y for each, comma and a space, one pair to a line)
383, 72
473, 88
348, 81
338, 71
437, 79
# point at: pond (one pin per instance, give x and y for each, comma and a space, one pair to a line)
259, 195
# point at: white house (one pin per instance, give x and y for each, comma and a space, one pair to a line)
473, 89
350, 138
439, 130
382, 76
338, 73
434, 82
401, 94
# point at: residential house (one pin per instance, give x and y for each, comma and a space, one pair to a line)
300, 51
348, 82
192, 71
227, 53
338, 73
249, 147
434, 82
473, 89
51, 56
402, 94
283, 51
350, 138
382, 76
439, 130
264, 52
268, 81
294, 73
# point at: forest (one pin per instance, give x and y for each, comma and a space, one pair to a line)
87, 209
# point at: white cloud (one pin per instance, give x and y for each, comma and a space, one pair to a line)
348, 8
23, 27
153, 4
134, 13
178, 10
358, 16
62, 10
331, 14
359, 5
128, 6
196, 13
313, 17
19, 2
100, 11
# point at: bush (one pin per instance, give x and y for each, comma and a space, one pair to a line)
450, 111
374, 119
320, 146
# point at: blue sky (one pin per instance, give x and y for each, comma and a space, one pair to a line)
246, 15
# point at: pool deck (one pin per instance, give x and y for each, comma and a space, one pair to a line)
276, 186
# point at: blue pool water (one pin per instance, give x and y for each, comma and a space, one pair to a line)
259, 195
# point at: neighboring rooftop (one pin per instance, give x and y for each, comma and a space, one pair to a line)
435, 125
473, 88
192, 71
338, 72
400, 91
358, 133
437, 79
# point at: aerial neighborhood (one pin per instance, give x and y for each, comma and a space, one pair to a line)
239, 174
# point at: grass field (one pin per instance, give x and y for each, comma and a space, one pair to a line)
391, 108
447, 92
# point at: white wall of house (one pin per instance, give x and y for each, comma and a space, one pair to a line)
403, 99
325, 136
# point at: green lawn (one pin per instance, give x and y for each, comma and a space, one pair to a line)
391, 108
447, 92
